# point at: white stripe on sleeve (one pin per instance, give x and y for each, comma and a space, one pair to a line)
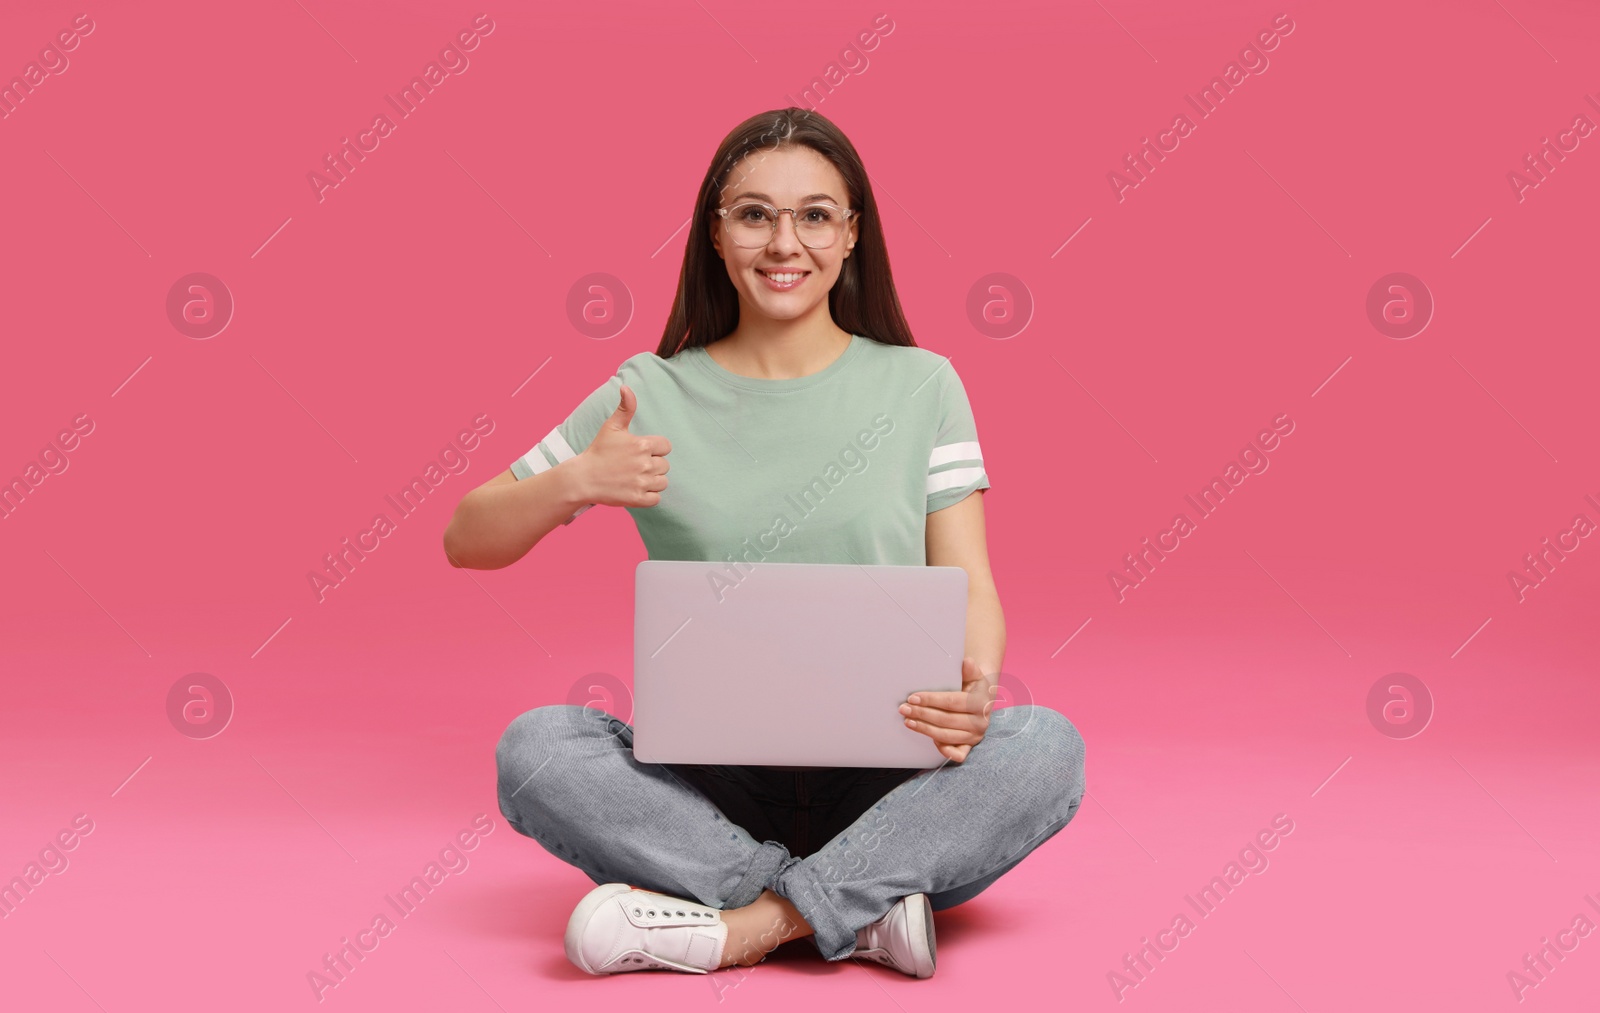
535, 461
558, 446
952, 479
967, 451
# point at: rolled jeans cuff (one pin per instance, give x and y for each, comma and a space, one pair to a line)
765, 865
834, 938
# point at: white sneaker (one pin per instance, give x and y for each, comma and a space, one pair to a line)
902, 938
617, 928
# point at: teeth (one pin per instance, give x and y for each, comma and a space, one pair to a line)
785, 278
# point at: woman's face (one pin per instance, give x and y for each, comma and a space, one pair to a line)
785, 178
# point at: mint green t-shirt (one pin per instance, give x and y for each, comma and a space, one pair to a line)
840, 466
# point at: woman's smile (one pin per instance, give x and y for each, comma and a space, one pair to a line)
782, 280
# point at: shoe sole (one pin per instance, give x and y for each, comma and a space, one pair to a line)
581, 916
919, 923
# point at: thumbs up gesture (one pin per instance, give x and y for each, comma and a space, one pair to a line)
622, 468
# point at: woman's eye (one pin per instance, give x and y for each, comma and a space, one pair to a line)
818, 215
752, 213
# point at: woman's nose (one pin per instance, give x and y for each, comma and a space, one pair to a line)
783, 236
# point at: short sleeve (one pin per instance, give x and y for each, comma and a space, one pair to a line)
955, 468
572, 436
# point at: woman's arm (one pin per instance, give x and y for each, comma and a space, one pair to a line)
956, 537
957, 721
498, 522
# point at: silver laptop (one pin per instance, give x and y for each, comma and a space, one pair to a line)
791, 664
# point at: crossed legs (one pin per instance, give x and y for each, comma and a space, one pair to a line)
568, 779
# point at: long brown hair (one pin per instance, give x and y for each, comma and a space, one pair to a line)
863, 301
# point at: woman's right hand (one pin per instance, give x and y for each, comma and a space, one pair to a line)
620, 468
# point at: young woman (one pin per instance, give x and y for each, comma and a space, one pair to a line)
786, 355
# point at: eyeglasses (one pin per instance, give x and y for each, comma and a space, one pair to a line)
753, 224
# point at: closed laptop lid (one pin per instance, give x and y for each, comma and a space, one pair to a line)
791, 664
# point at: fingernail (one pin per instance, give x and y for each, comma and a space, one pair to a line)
915, 698
905, 709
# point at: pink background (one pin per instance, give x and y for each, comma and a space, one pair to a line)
373, 325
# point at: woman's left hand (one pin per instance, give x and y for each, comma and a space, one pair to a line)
955, 721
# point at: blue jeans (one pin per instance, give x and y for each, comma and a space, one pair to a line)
568, 779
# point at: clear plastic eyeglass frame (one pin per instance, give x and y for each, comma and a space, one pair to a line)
812, 235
